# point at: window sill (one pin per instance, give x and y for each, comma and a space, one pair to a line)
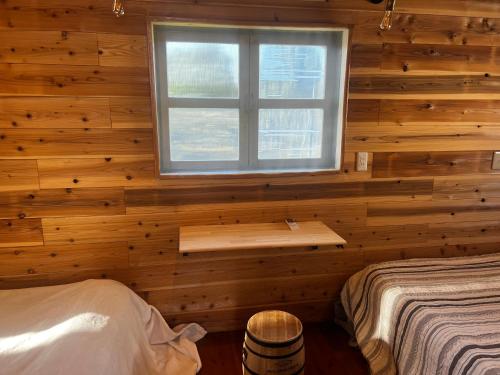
249, 174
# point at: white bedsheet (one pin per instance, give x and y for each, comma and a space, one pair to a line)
91, 327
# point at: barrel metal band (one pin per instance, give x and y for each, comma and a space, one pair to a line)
255, 373
273, 344
275, 356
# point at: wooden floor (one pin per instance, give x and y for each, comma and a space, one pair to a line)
327, 353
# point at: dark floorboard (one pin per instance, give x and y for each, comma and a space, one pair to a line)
327, 352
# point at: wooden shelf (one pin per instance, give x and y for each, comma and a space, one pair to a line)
204, 238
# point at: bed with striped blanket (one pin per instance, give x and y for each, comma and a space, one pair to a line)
428, 316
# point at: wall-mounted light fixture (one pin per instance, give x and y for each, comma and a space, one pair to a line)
389, 10
387, 20
118, 8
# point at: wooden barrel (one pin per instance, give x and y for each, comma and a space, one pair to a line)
273, 345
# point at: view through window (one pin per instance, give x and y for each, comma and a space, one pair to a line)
241, 100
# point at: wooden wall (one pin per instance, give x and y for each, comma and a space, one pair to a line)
78, 196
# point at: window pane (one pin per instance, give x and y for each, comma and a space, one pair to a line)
204, 134
202, 70
291, 71
290, 133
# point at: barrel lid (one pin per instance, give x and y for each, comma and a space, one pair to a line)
274, 326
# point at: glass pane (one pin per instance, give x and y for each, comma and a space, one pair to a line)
204, 134
292, 72
202, 70
290, 133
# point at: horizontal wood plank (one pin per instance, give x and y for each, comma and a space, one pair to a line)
46, 259
466, 187
64, 80
53, 143
48, 47
427, 29
132, 112
425, 87
101, 172
439, 112
255, 292
61, 202
53, 113
122, 50
25, 232
18, 175
365, 111
82, 15
449, 211
450, 59
276, 192
418, 164
414, 138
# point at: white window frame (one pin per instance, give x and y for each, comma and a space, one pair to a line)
249, 102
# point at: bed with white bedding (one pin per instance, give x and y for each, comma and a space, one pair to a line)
428, 316
91, 327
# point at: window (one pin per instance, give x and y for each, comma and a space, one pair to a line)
241, 100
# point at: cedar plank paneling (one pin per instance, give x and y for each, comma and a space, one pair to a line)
101, 172
122, 50
274, 192
418, 164
407, 138
428, 29
48, 47
17, 232
165, 225
85, 80
466, 187
440, 112
18, 175
366, 111
465, 249
50, 143
230, 319
54, 113
247, 293
448, 211
132, 112
61, 202
451, 59
46, 259
365, 56
58, 15
425, 87
75, 112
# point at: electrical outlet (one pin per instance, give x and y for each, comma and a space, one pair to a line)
361, 161
496, 160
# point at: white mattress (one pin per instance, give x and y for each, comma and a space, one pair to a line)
91, 327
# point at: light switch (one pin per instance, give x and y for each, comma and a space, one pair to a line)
361, 161
496, 160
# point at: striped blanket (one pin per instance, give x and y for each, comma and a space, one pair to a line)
428, 316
